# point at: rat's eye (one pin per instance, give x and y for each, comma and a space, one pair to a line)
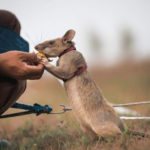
51, 42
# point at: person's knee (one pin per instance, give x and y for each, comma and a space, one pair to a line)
9, 20
21, 86
11, 90
18, 88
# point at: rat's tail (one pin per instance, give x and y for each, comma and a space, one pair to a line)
136, 133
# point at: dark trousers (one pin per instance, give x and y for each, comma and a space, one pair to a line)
10, 91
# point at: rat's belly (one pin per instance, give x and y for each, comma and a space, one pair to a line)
89, 104
76, 101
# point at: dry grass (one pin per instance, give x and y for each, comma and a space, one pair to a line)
124, 83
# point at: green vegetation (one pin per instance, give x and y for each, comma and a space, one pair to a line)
125, 83
30, 138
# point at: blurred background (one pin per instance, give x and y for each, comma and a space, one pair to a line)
107, 31
114, 37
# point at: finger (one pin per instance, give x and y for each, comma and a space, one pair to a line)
34, 72
30, 77
34, 68
34, 77
44, 61
31, 57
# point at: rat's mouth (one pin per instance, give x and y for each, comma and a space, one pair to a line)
47, 55
43, 57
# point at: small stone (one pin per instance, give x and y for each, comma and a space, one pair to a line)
4, 144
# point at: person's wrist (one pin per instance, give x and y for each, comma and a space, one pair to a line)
4, 64
1, 64
1, 57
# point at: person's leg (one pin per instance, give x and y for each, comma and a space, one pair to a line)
11, 90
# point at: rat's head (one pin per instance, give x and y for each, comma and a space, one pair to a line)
53, 48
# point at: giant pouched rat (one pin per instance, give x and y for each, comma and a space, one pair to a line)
94, 113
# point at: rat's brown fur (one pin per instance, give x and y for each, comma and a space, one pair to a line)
94, 113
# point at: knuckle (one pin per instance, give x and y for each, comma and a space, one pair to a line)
22, 73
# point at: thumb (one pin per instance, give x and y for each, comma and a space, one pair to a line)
32, 57
32, 71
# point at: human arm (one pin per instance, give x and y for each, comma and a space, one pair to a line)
20, 65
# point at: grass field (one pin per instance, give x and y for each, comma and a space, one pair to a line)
124, 83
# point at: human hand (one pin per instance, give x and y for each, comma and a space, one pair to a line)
20, 65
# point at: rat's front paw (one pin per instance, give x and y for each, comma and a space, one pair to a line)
44, 61
42, 58
47, 64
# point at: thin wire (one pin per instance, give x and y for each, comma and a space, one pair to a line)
114, 105
131, 104
134, 118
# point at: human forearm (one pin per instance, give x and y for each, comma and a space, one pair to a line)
20, 65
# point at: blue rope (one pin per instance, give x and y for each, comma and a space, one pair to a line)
29, 109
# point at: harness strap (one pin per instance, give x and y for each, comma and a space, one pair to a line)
67, 50
80, 70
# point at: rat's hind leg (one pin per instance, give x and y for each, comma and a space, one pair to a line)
107, 129
88, 130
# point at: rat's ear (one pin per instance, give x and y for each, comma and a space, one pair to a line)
69, 35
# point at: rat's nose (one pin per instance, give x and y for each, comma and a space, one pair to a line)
37, 47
